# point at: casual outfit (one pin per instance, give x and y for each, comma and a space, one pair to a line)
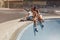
30, 17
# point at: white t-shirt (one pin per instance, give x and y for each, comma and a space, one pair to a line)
30, 13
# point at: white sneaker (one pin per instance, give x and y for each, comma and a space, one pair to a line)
36, 29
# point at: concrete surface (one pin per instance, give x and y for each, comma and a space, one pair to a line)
10, 25
8, 28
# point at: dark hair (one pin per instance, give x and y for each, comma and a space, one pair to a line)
34, 8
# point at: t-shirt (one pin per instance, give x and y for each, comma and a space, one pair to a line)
30, 13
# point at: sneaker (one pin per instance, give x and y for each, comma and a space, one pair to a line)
36, 29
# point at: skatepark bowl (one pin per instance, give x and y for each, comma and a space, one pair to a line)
51, 31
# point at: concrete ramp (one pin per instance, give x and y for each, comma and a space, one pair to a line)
51, 31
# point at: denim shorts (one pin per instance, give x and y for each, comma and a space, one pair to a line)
30, 18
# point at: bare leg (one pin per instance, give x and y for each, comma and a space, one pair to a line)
40, 22
34, 20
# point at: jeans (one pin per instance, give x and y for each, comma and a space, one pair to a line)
30, 18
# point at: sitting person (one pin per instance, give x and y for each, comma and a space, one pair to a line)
37, 16
34, 15
29, 16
